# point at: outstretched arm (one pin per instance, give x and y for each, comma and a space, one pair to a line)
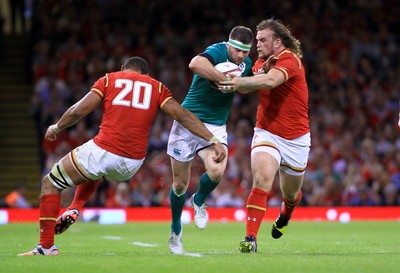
271, 78
76, 112
248, 84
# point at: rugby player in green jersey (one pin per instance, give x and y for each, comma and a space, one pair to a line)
212, 107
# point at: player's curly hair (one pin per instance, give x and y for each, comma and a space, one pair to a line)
282, 32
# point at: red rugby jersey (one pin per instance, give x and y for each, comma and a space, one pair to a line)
283, 110
130, 104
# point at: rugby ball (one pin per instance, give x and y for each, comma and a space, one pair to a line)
229, 68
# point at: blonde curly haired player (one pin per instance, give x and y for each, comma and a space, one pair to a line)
281, 141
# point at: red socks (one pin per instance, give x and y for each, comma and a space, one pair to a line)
49, 209
288, 207
256, 207
82, 194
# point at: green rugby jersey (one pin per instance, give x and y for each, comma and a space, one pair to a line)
207, 103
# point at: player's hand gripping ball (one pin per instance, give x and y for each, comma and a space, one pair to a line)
227, 68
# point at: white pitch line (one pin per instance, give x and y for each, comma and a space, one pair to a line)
144, 244
221, 252
112, 237
106, 254
191, 254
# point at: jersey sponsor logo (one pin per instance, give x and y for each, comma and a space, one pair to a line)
259, 70
242, 67
177, 151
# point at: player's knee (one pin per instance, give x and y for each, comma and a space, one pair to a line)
262, 182
179, 187
59, 177
47, 187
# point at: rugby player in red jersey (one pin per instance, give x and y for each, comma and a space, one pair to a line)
130, 100
281, 140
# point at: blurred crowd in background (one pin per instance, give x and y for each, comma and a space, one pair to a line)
351, 53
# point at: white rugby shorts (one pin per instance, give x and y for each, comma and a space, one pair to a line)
183, 145
94, 163
292, 155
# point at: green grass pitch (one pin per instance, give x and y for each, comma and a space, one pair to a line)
142, 247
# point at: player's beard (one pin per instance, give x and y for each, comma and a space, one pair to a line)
261, 55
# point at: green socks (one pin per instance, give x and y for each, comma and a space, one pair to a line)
177, 203
205, 188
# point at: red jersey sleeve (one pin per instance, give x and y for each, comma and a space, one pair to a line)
99, 86
289, 64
